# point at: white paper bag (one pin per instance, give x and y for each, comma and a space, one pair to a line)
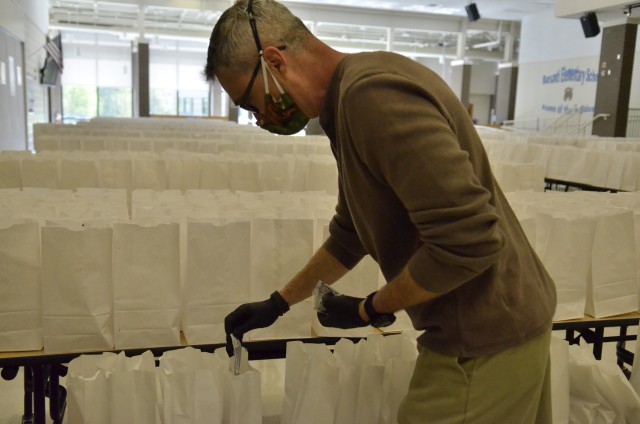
20, 304
519, 176
205, 324
564, 245
88, 399
370, 400
279, 249
146, 284
116, 172
75, 173
40, 172
275, 173
183, 172
244, 175
218, 274
149, 173
116, 144
322, 174
191, 386
399, 354
600, 393
346, 353
77, 311
300, 172
613, 288
242, 392
10, 173
214, 174
311, 379
132, 390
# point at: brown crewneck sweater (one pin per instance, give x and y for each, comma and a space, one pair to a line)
416, 189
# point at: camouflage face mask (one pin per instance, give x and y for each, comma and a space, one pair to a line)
281, 116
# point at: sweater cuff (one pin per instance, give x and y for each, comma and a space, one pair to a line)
342, 255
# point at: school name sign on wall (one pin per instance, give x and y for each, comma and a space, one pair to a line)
569, 89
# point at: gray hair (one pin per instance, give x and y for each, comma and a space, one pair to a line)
232, 46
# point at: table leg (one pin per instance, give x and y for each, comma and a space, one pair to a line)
28, 418
598, 342
57, 394
38, 394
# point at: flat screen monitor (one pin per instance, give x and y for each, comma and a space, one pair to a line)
49, 73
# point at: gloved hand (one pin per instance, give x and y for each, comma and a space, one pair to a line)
254, 315
341, 311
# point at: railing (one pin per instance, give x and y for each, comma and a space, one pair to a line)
560, 125
582, 129
633, 123
567, 124
528, 124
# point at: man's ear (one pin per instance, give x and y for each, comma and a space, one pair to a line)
275, 58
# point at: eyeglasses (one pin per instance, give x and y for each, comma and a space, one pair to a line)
243, 102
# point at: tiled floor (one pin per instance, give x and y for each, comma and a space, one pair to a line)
272, 371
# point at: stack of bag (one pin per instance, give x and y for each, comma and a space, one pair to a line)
588, 244
81, 275
587, 391
189, 386
171, 169
357, 383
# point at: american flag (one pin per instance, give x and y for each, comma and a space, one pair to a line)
54, 49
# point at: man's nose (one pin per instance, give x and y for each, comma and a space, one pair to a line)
258, 117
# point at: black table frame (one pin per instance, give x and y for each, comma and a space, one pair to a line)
554, 185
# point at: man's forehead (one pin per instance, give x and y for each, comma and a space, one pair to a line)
229, 79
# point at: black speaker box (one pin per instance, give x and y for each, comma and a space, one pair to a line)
590, 25
472, 12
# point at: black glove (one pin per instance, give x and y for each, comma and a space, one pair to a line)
254, 315
341, 311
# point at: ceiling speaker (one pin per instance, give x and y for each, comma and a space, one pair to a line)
590, 25
472, 12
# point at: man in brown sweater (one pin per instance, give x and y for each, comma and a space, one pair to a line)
417, 194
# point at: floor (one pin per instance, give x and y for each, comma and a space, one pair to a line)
272, 371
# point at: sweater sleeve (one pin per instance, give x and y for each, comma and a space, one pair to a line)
410, 144
343, 242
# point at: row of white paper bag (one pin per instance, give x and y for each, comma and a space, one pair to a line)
170, 272
170, 170
94, 285
81, 204
198, 142
114, 124
588, 244
356, 383
189, 386
611, 169
580, 141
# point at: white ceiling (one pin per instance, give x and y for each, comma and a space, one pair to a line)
513, 10
415, 27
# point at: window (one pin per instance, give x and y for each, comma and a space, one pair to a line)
97, 76
175, 81
115, 102
97, 79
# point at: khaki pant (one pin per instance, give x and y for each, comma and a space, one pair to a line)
510, 387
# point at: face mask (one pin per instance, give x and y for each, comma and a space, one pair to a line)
283, 116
